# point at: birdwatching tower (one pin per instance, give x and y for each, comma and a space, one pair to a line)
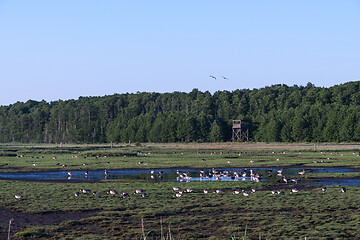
240, 131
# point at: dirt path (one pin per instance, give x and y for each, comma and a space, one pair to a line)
23, 220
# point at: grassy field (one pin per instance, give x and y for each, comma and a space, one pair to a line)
309, 213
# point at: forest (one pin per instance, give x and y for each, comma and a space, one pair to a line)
277, 113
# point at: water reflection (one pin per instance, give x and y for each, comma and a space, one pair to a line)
271, 175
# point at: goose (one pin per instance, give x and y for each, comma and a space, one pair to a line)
18, 196
236, 192
295, 180
253, 190
302, 172
138, 191
144, 195
294, 190
343, 189
112, 192
77, 194
176, 188
246, 194
125, 194
189, 190
206, 191
178, 195
84, 190
96, 194
218, 191
324, 189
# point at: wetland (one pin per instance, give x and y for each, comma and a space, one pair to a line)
270, 209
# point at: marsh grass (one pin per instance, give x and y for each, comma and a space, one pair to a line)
195, 215
240, 236
170, 156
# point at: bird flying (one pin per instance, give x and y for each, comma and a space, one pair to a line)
213, 77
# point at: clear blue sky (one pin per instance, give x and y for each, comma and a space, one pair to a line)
65, 49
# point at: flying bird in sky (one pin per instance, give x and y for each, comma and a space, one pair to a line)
225, 78
213, 77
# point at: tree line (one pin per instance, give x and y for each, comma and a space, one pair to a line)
278, 113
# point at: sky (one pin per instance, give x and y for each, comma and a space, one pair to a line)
51, 50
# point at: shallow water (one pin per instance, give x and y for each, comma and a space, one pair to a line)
219, 174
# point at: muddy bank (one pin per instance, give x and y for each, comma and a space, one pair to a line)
24, 220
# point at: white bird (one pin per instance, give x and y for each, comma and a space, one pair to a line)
178, 195
324, 189
18, 196
138, 191
294, 190
175, 188
218, 191
236, 192
246, 194
112, 192
206, 191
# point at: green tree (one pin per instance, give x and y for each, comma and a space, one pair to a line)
215, 134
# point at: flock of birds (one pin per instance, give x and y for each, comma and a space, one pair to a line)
217, 175
123, 194
204, 175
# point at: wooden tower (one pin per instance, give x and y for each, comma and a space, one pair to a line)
240, 131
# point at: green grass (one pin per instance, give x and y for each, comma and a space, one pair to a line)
309, 213
41, 158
